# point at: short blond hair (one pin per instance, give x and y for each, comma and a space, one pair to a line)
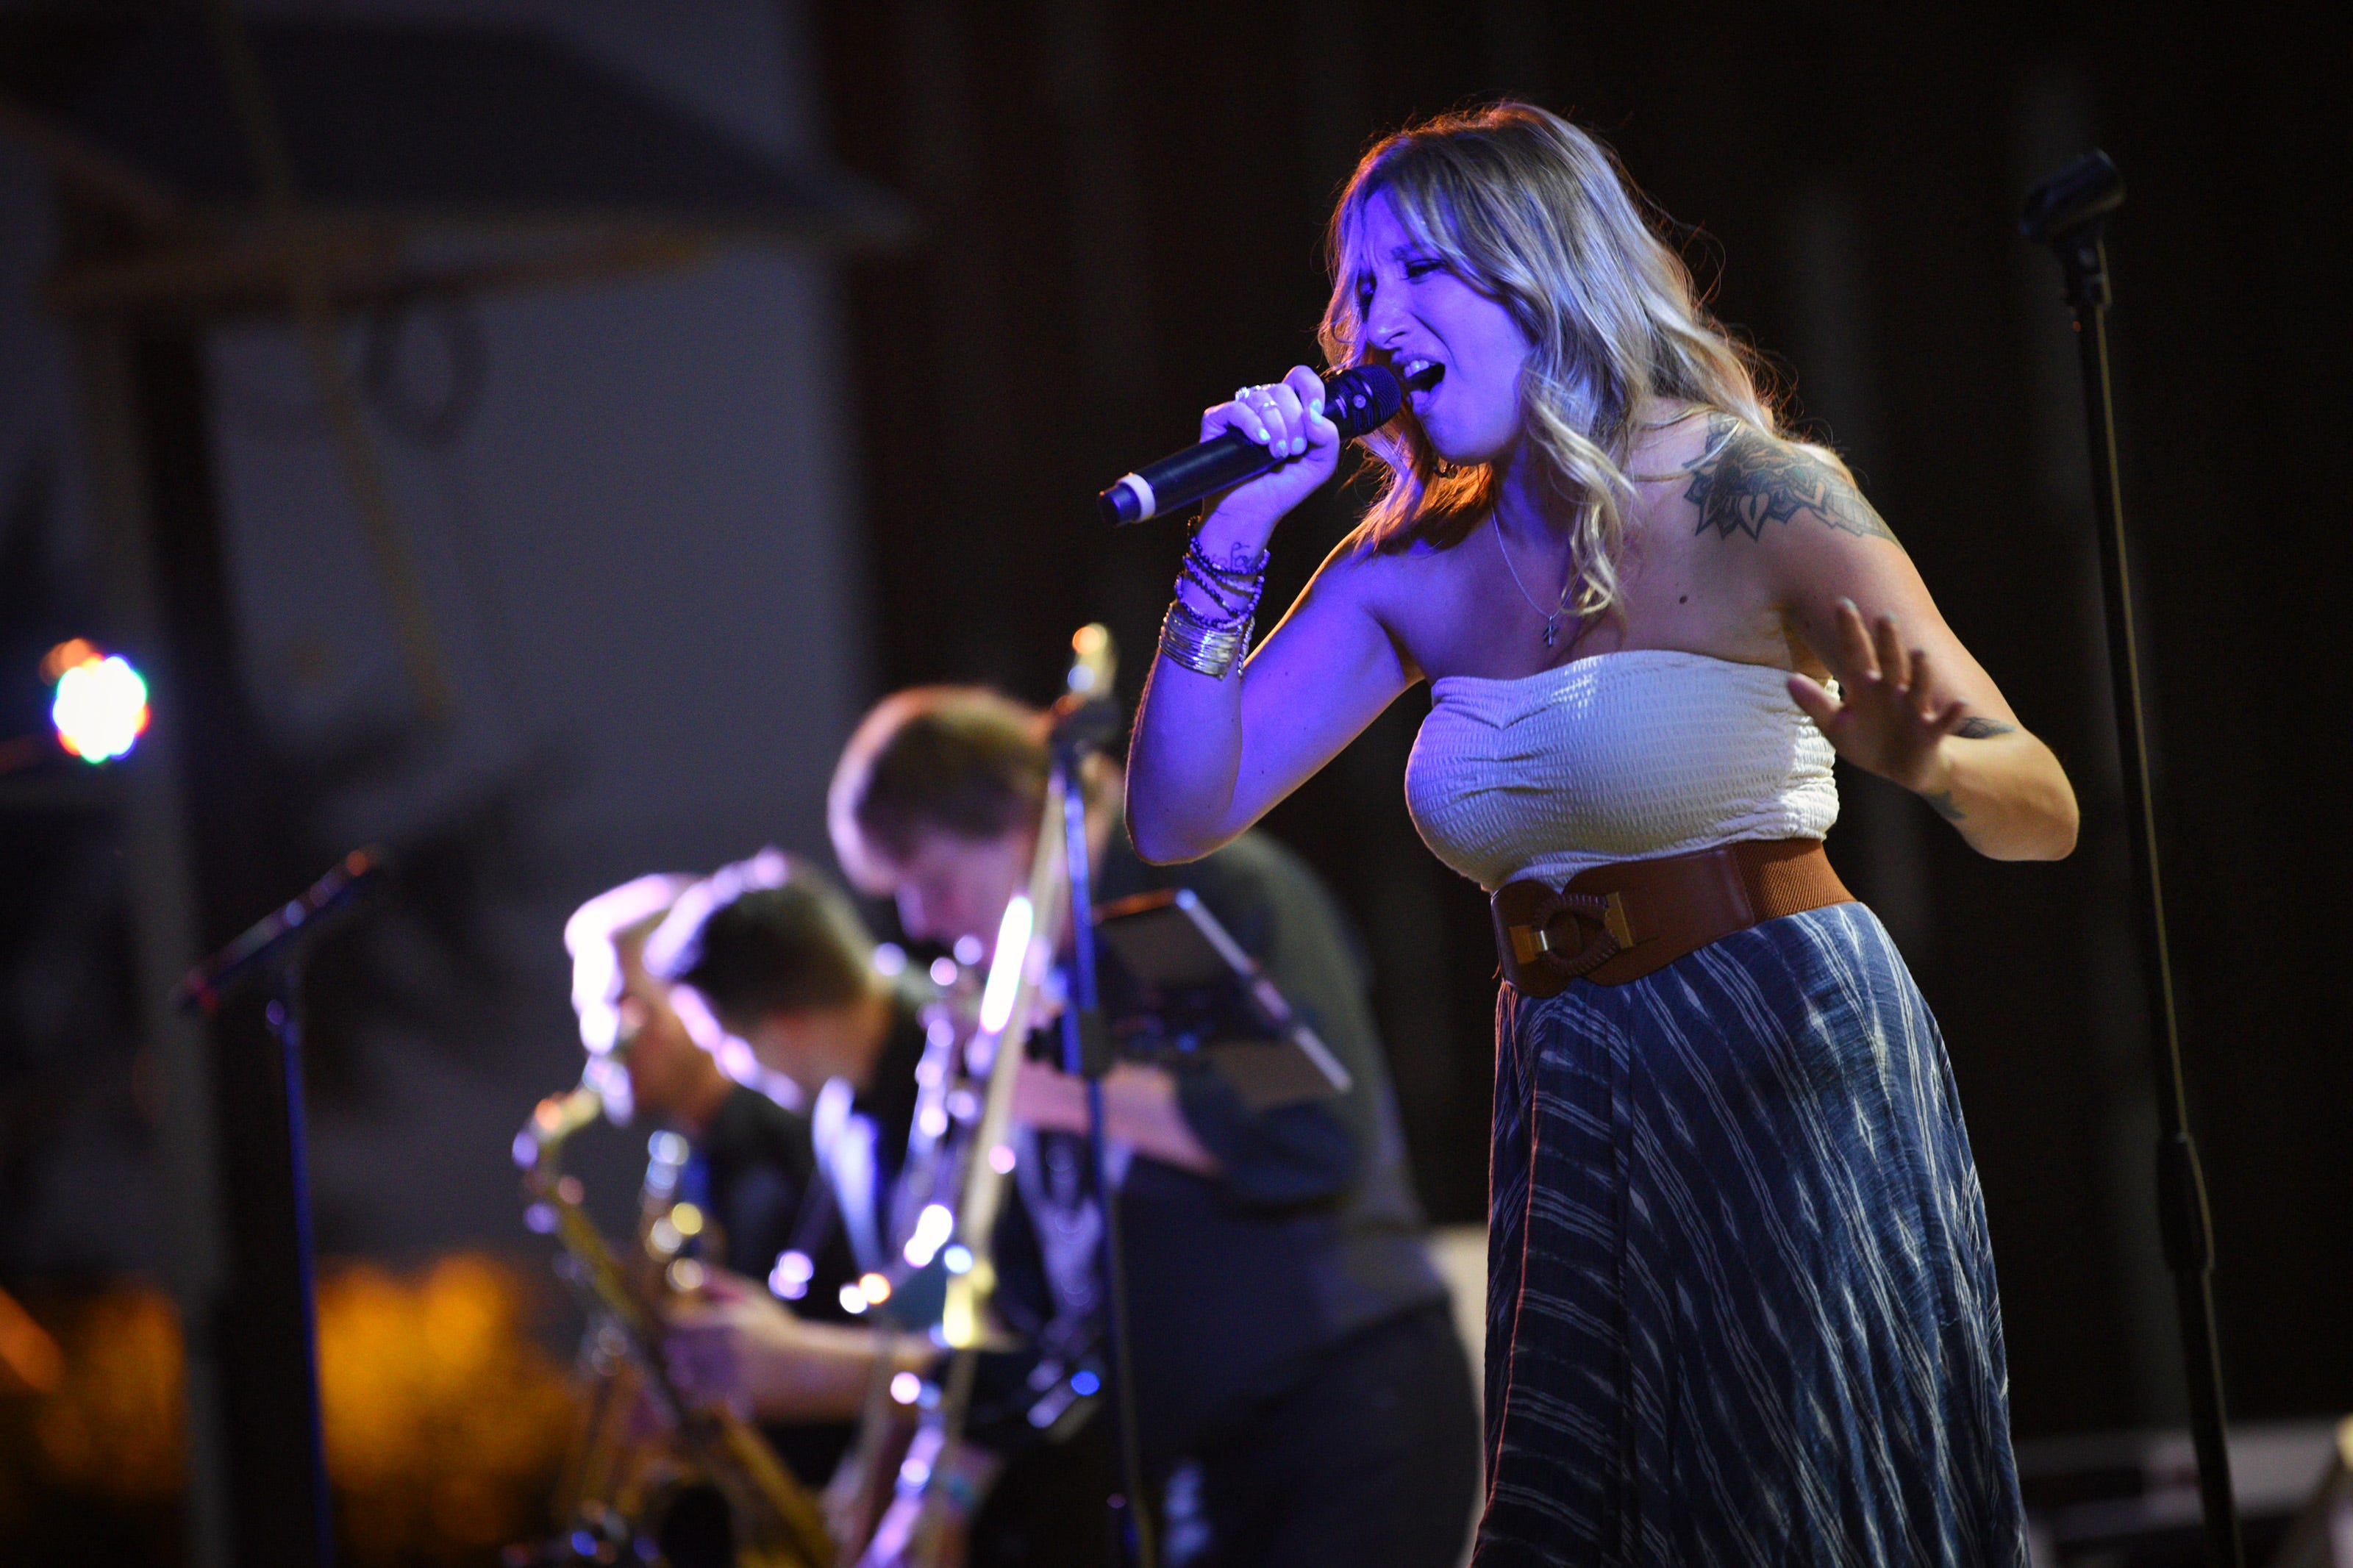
600, 937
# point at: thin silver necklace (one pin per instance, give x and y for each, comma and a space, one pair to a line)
1552, 621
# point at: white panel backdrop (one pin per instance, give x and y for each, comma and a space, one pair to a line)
643, 565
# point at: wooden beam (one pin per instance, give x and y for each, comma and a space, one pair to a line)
362, 262
92, 170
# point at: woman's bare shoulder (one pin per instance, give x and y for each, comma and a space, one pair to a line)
1364, 567
1737, 480
1403, 592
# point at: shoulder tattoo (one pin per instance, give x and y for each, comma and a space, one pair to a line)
1745, 480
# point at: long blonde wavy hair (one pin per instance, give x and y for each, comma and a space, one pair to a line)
1535, 212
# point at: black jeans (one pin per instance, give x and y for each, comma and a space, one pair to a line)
1372, 1461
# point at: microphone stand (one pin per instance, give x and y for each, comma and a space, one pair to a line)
2069, 213
283, 1448
1081, 724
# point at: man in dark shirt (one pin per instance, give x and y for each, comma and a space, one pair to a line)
1302, 1396
753, 1171
782, 963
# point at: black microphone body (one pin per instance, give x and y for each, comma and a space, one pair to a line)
1362, 397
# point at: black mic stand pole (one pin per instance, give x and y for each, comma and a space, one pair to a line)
279, 1457
2069, 213
1079, 728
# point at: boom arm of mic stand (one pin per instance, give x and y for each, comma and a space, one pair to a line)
318, 909
2069, 212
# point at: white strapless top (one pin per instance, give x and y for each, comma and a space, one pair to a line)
1623, 756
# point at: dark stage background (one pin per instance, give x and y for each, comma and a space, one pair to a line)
1124, 210
697, 517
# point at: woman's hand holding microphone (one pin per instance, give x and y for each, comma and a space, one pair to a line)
1287, 418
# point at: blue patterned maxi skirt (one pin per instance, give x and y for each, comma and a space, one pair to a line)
1741, 1305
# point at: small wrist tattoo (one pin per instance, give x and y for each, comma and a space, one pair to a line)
1974, 727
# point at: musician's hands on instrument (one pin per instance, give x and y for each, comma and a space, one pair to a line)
1287, 417
737, 1345
1140, 1108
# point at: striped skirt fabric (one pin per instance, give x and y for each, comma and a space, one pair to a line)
1741, 1305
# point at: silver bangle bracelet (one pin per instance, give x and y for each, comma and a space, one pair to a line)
1205, 649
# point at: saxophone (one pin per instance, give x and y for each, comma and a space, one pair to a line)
624, 1493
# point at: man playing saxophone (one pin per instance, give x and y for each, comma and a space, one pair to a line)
1303, 1397
780, 960
773, 1215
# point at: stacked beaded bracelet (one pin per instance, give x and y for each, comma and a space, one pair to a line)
1205, 645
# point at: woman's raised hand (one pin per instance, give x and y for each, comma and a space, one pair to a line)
1286, 417
1887, 718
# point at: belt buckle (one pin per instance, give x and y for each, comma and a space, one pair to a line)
1532, 942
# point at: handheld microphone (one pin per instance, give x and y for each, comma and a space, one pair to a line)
1362, 397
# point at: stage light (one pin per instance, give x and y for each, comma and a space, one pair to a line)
101, 708
790, 1278
933, 1228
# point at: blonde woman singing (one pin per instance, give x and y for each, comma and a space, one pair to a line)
1742, 1304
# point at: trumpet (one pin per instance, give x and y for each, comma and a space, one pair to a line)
624, 1492
958, 1164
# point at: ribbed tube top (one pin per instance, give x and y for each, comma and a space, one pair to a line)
1620, 757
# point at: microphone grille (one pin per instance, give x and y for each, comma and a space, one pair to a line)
1363, 397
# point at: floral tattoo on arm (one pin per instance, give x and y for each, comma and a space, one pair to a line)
1744, 479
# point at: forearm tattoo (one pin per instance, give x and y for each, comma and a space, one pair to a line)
1745, 480
1975, 729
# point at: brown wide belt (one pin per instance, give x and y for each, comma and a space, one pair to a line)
1618, 923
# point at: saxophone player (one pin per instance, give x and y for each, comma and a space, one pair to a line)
778, 957
753, 1171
